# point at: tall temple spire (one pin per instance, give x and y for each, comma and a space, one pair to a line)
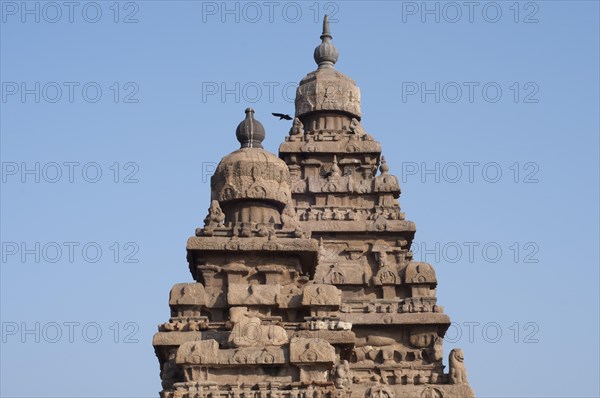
326, 55
326, 99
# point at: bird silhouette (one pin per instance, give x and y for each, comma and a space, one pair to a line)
282, 116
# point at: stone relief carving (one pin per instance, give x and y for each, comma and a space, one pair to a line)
248, 331
341, 375
252, 294
380, 391
417, 273
321, 295
311, 350
304, 281
198, 352
189, 294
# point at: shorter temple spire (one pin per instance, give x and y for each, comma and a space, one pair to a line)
326, 55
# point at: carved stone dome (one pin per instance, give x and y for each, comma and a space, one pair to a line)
326, 89
251, 184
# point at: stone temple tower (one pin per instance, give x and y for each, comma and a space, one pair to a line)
305, 286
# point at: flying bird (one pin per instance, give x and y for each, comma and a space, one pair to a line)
282, 116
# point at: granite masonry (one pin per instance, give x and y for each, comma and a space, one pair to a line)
305, 285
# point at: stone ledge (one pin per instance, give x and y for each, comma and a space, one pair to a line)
396, 319
252, 244
358, 226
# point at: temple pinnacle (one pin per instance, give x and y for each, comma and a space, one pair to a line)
250, 132
326, 31
326, 55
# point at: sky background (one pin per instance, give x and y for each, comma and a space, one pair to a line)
114, 115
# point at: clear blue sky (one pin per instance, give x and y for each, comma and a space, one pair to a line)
517, 93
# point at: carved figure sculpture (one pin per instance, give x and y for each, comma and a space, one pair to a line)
214, 218
458, 373
248, 331
356, 128
289, 219
341, 375
297, 127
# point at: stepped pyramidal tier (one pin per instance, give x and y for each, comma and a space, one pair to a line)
305, 285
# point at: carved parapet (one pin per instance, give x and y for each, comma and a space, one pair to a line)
423, 336
341, 273
350, 184
203, 250
379, 225
358, 214
380, 391
343, 145
184, 324
251, 244
175, 338
221, 230
211, 357
341, 184
240, 268
384, 354
290, 296
387, 183
421, 304
321, 295
252, 294
323, 300
412, 390
420, 273
381, 306
248, 390
397, 319
253, 356
421, 279
254, 229
326, 323
387, 275
248, 331
198, 353
310, 351
187, 294
334, 337
186, 301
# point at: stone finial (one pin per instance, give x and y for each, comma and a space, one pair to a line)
250, 132
326, 55
335, 169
